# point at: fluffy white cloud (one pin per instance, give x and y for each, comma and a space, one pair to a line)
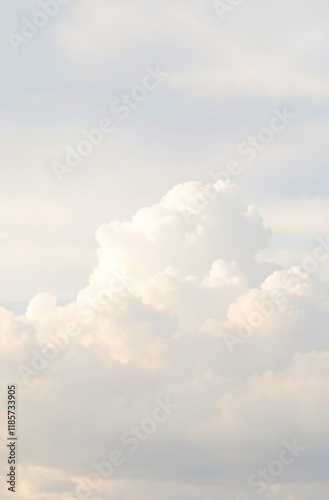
171, 285
199, 298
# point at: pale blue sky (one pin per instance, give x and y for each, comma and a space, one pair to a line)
57, 85
191, 283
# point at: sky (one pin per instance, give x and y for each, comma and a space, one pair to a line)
163, 188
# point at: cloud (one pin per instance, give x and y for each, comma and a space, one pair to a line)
150, 324
226, 66
198, 297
